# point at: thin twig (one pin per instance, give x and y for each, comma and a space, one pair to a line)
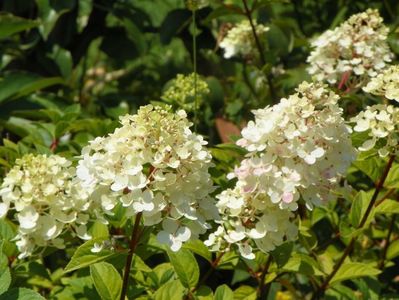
195, 70
387, 243
132, 247
248, 14
263, 288
320, 291
214, 265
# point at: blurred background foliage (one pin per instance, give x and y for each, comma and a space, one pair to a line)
70, 68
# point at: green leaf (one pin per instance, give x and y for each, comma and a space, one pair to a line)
303, 264
354, 270
282, 253
223, 292
392, 180
174, 22
171, 290
372, 167
21, 294
5, 280
107, 280
245, 292
185, 266
199, 248
393, 250
18, 84
83, 256
204, 293
7, 229
359, 207
387, 206
10, 24
49, 12
63, 59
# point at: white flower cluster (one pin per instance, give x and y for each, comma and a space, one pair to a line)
47, 199
156, 166
381, 121
248, 217
298, 148
182, 92
358, 46
385, 84
240, 40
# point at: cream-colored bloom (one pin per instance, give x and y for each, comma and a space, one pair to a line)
240, 40
358, 47
385, 84
48, 200
155, 165
381, 121
298, 149
249, 218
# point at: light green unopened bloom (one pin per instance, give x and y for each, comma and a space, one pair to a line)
182, 92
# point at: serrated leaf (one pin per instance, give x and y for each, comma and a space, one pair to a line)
83, 256
354, 270
107, 280
185, 266
223, 292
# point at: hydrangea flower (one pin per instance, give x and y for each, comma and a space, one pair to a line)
153, 164
385, 84
182, 92
47, 199
299, 148
250, 217
239, 40
358, 47
381, 121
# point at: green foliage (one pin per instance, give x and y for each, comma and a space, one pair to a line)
354, 270
107, 280
84, 257
185, 267
70, 69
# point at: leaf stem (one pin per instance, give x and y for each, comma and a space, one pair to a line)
320, 292
132, 247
